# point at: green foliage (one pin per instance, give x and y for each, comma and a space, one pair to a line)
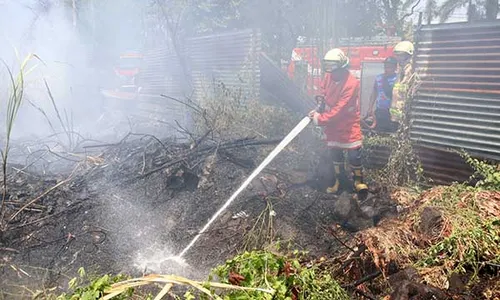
469, 249
281, 22
471, 231
396, 14
85, 288
403, 167
373, 142
488, 174
286, 275
202, 17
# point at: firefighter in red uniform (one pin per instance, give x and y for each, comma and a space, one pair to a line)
341, 118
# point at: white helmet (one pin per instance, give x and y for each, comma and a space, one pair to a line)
335, 59
405, 47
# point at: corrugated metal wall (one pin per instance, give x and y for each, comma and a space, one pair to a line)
231, 58
458, 103
442, 167
162, 74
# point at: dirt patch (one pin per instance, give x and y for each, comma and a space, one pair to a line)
431, 222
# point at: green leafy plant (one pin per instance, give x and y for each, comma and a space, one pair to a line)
66, 124
470, 234
85, 288
290, 278
488, 174
403, 167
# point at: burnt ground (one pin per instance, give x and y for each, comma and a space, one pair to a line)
128, 206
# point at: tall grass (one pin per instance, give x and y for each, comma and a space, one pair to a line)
65, 123
14, 102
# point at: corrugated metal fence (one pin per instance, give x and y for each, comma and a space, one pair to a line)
162, 74
458, 103
234, 59
229, 58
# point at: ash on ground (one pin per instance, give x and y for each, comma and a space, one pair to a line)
134, 205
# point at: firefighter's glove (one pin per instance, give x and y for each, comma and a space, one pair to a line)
314, 115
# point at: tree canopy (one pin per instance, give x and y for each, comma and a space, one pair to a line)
281, 22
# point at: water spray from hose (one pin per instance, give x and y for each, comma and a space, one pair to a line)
298, 129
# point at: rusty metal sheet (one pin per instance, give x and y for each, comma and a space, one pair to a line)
472, 91
448, 55
484, 26
457, 105
455, 69
455, 43
472, 47
454, 62
430, 75
493, 85
440, 166
231, 58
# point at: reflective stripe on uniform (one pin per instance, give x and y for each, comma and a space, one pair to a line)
345, 145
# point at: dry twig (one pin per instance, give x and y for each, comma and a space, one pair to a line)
44, 194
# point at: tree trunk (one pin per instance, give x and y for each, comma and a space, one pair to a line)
491, 9
471, 11
74, 13
430, 10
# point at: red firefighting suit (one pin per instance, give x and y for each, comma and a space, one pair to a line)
341, 119
342, 128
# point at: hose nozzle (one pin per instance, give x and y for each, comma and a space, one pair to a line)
320, 104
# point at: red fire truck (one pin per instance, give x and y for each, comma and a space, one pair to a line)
305, 64
126, 70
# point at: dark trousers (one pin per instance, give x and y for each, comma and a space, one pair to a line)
384, 123
353, 156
